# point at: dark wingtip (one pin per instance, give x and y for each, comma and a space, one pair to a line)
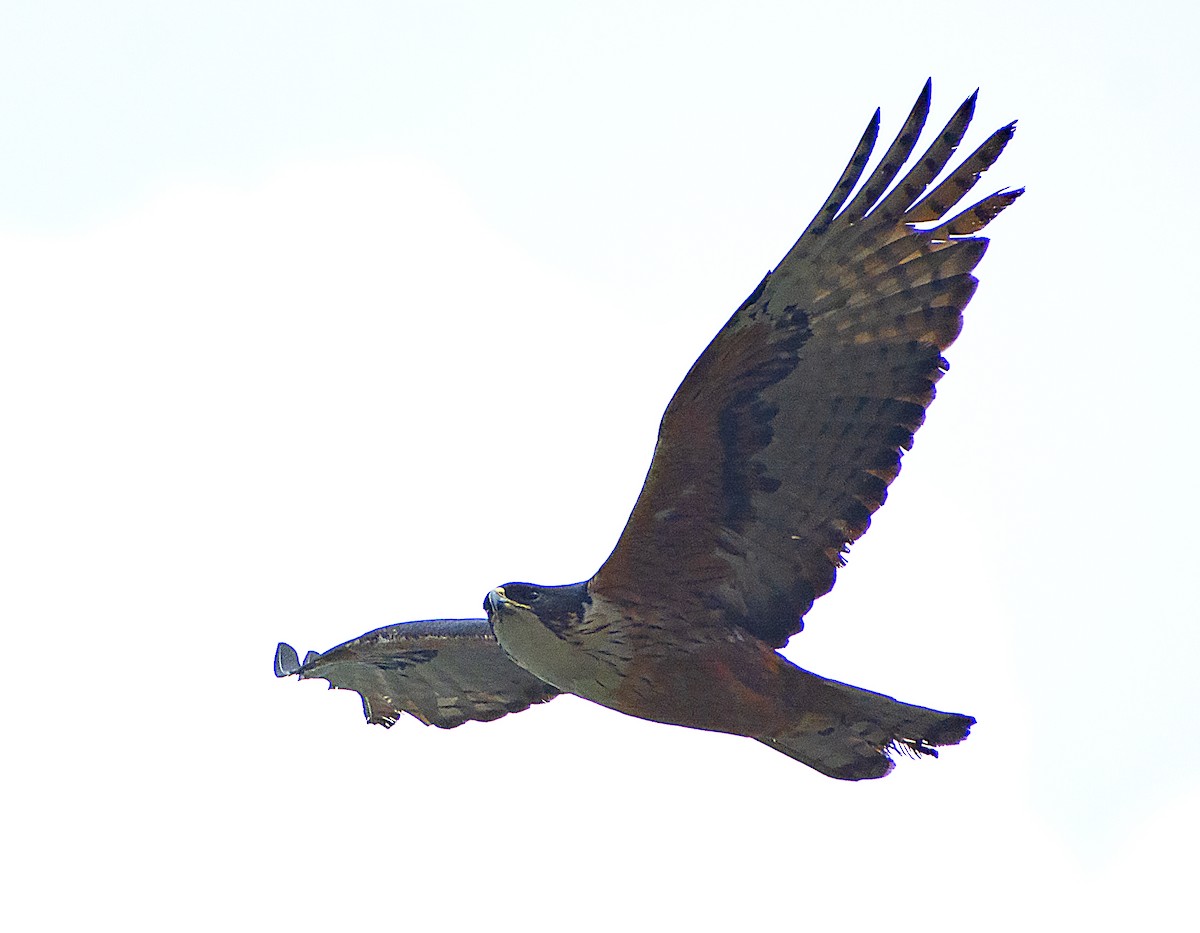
925, 98
287, 662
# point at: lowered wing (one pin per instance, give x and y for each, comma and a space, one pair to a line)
784, 436
444, 672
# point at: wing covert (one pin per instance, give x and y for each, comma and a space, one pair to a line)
781, 441
443, 672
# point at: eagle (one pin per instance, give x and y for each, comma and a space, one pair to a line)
771, 458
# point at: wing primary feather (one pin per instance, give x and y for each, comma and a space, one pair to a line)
976, 217
893, 160
850, 176
929, 166
955, 187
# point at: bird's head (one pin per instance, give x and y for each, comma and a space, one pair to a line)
556, 607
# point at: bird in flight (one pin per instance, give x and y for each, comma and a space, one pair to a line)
771, 458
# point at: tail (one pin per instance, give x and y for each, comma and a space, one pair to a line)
850, 734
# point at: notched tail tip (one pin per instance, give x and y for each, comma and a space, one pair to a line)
287, 662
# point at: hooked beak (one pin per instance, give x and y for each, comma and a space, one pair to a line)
497, 600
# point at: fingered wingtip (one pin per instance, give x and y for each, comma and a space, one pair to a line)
287, 662
925, 98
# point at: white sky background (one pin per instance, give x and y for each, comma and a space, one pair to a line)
314, 316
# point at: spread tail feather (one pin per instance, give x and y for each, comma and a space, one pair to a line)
856, 731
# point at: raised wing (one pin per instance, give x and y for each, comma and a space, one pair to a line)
444, 672
782, 440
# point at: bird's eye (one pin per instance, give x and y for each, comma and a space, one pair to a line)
526, 595
520, 594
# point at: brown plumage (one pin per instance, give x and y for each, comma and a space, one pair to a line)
771, 458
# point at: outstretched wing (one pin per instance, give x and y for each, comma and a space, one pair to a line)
444, 672
783, 438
